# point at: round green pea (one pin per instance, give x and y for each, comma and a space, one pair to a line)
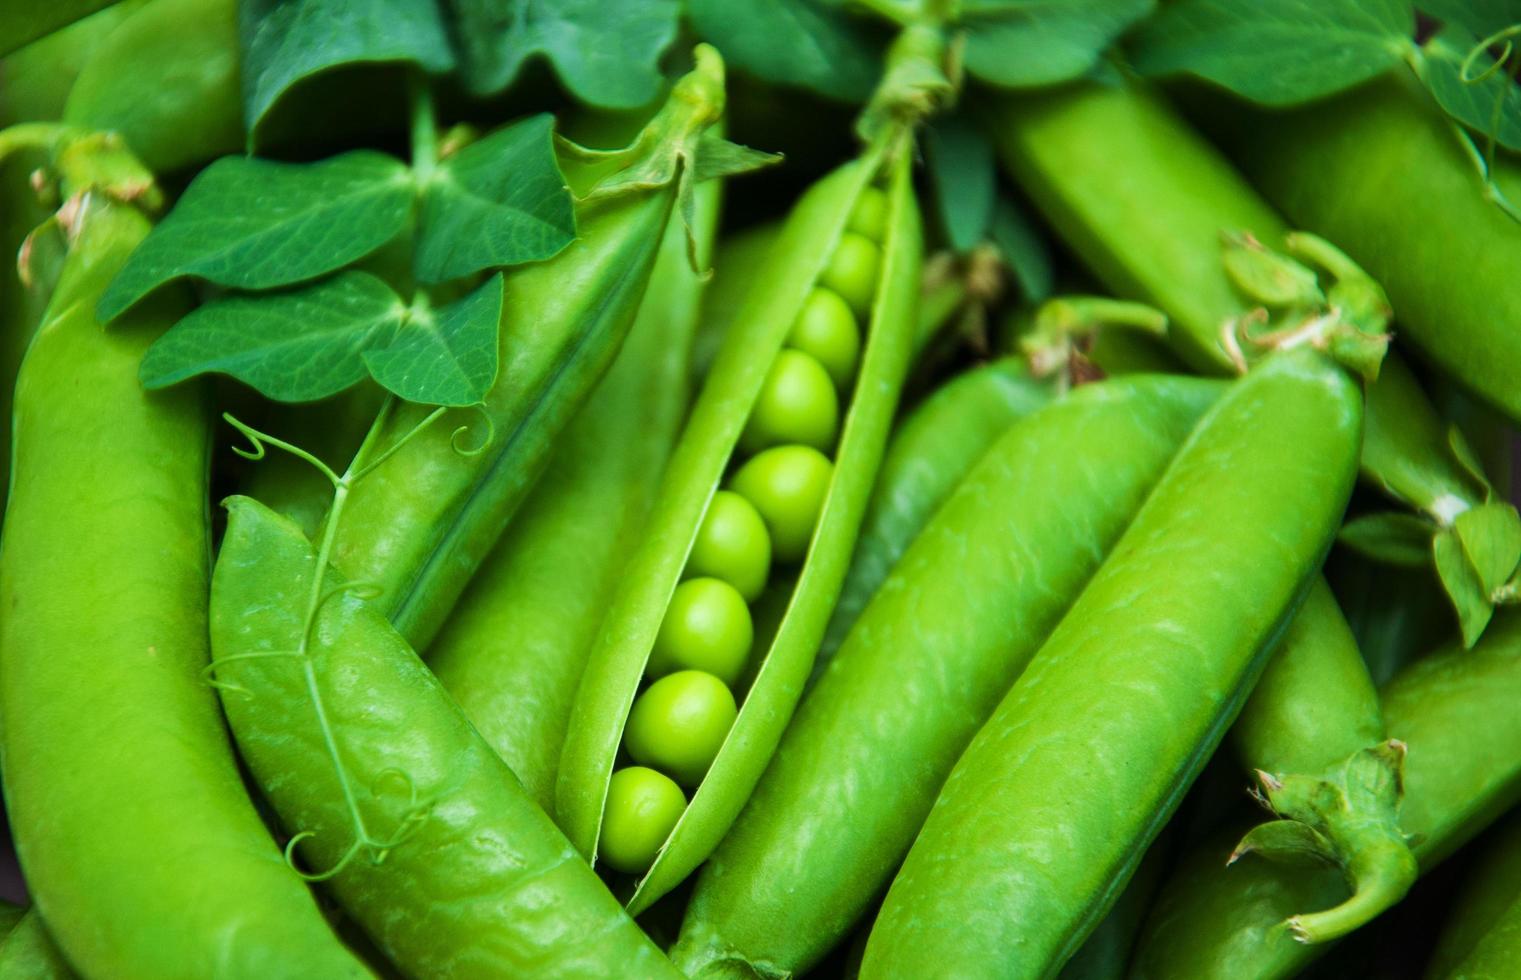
679, 723
869, 216
732, 544
852, 272
641, 810
826, 330
706, 627
787, 484
797, 403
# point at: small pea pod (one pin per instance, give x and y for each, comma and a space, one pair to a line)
1482, 934
816, 536
1455, 710
424, 836
930, 452
952, 626
1313, 733
28, 953
513, 651
1050, 808
166, 80
1145, 202
421, 523
137, 837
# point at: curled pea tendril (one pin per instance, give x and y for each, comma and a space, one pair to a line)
456, 439
1483, 160
415, 812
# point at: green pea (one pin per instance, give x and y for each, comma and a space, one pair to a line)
642, 807
797, 403
826, 330
679, 723
732, 544
706, 627
869, 216
852, 271
787, 484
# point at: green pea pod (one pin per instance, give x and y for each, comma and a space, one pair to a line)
10, 915
1396, 614
138, 840
28, 953
1145, 201
426, 837
1426, 228
929, 454
1313, 733
24, 23
1047, 813
35, 80
738, 258
705, 450
1106, 952
946, 634
1455, 710
166, 80
514, 649
418, 526
1482, 934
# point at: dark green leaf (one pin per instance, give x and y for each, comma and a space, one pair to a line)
256, 224
1277, 52
293, 346
1480, 18
1391, 537
1488, 104
1039, 42
1023, 249
499, 201
446, 356
962, 171
286, 41
1461, 582
793, 42
607, 54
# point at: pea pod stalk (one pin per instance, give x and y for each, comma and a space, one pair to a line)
1048, 811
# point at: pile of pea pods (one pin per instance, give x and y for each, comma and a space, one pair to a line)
760, 489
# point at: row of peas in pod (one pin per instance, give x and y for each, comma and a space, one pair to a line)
680, 720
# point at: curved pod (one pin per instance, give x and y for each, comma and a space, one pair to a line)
697, 468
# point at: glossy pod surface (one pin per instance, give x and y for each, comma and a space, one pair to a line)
1482, 935
420, 524
443, 810
930, 452
948, 631
1455, 709
132, 823
1049, 810
1380, 172
513, 650
706, 450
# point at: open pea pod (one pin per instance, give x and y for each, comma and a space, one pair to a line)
827, 223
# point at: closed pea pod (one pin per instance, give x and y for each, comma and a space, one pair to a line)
512, 652
932, 449
1480, 937
925, 663
424, 836
1048, 811
810, 503
28, 953
1455, 710
112, 744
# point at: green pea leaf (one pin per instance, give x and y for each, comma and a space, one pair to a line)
962, 173
1391, 537
606, 54
294, 346
1480, 18
257, 224
1461, 582
1277, 52
287, 41
1491, 537
446, 356
808, 43
1039, 42
1288, 842
1023, 249
499, 201
1489, 104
